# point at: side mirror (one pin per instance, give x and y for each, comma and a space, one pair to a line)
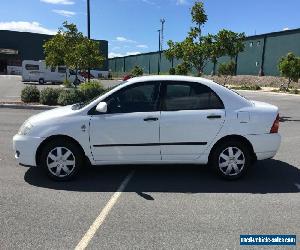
102, 107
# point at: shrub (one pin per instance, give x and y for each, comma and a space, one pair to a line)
30, 94
137, 71
172, 71
226, 69
70, 96
49, 96
182, 69
91, 90
294, 91
247, 87
68, 84
289, 67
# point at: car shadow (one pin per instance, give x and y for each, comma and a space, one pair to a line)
268, 176
288, 119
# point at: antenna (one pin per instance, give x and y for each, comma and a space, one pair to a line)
162, 20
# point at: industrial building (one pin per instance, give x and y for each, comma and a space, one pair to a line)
261, 54
18, 46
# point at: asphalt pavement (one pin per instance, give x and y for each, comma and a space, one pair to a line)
161, 207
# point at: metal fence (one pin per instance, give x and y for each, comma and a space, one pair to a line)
262, 52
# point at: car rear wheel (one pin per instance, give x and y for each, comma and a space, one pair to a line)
231, 159
61, 159
41, 81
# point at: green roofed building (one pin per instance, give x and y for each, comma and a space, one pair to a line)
261, 55
18, 46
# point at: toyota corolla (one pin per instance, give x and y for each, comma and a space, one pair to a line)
152, 120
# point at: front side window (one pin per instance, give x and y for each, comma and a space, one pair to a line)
32, 67
61, 69
138, 98
189, 96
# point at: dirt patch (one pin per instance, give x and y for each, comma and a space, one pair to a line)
262, 81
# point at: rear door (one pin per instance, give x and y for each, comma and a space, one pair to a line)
192, 115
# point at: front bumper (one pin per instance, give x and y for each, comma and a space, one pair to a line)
25, 148
265, 146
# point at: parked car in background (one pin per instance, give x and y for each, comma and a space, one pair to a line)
127, 77
95, 74
37, 71
153, 120
86, 74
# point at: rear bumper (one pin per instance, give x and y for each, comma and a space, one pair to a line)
265, 146
25, 149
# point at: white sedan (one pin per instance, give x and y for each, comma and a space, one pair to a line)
152, 120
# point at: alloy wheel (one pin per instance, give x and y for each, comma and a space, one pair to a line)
231, 161
61, 161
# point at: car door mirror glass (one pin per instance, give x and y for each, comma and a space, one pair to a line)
102, 107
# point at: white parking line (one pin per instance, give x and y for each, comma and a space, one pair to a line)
101, 217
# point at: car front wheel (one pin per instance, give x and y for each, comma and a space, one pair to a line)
231, 159
61, 159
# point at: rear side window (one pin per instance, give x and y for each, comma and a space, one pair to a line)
140, 98
32, 67
189, 96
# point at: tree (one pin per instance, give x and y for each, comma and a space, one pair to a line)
137, 71
70, 48
181, 69
196, 49
199, 16
231, 43
225, 42
215, 50
289, 67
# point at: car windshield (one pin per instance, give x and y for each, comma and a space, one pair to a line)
81, 105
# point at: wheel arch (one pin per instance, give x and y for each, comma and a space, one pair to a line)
54, 137
237, 138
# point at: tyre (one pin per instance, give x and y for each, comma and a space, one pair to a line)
76, 82
231, 159
61, 159
41, 81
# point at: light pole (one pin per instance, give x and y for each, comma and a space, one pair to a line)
88, 29
88, 19
159, 52
162, 20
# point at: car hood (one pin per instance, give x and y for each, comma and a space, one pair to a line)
51, 115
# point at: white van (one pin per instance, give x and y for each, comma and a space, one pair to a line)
37, 71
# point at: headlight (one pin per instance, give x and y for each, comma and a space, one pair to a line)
25, 128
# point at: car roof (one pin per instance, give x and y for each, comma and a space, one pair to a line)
170, 78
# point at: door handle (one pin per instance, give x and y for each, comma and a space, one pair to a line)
148, 119
214, 117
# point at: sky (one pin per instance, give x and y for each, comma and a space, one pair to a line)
130, 26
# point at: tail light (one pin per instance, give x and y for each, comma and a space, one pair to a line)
275, 125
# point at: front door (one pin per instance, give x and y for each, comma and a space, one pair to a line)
129, 131
192, 115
